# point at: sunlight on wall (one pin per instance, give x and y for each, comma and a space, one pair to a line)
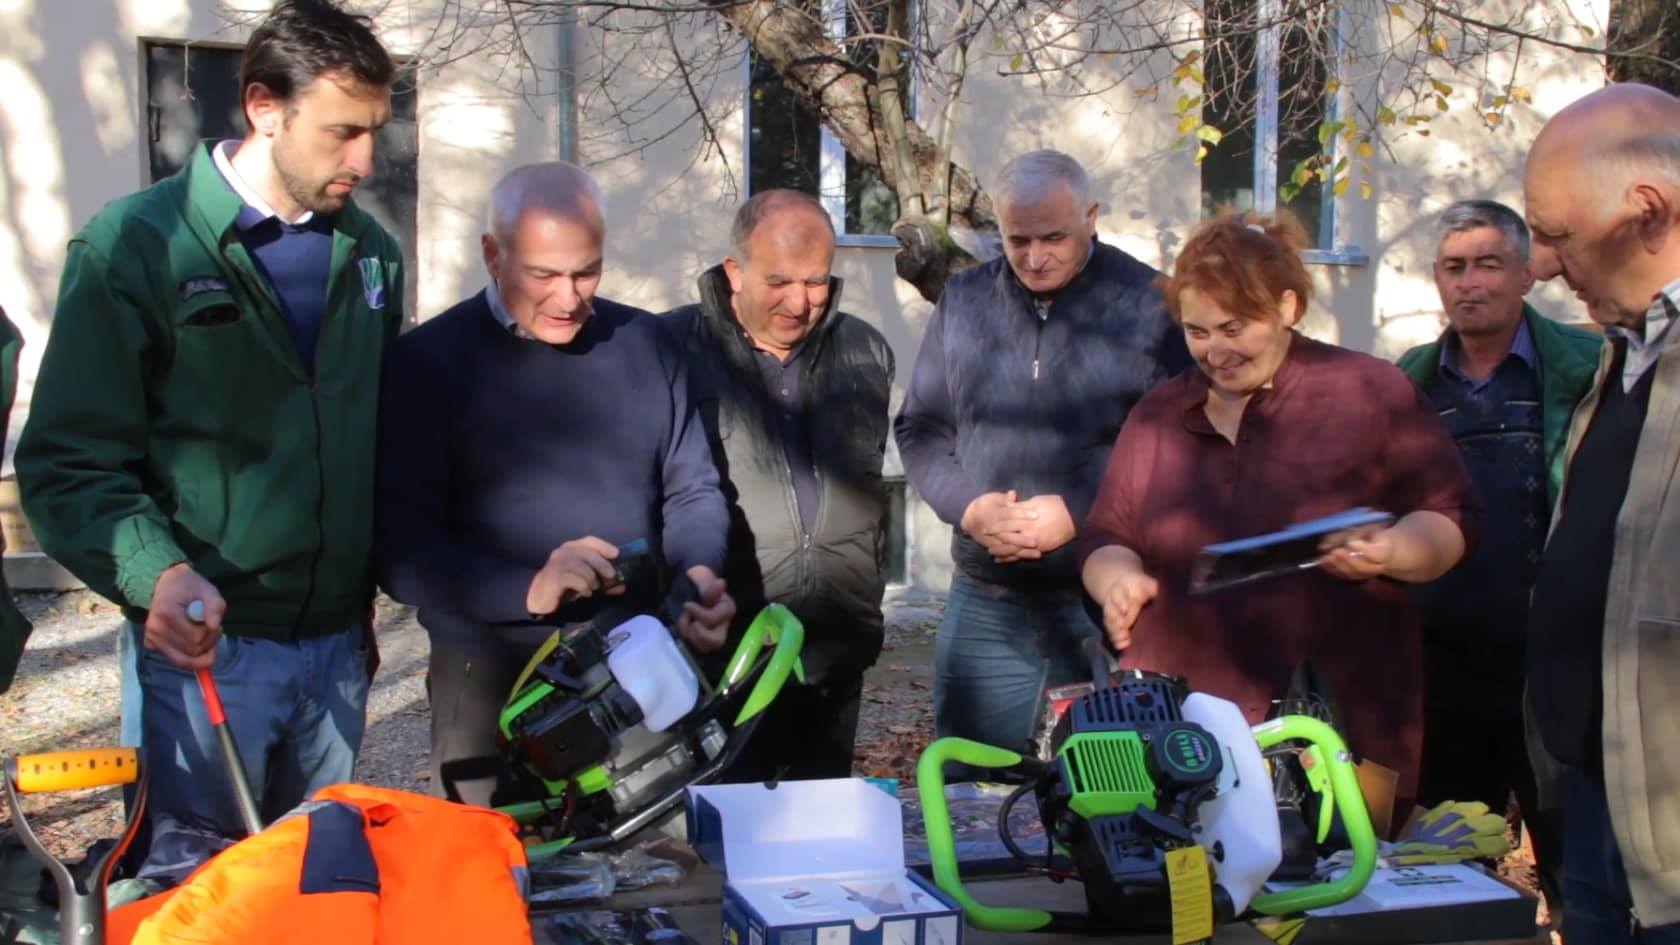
108, 98
154, 17
35, 193
1464, 158
20, 35
467, 134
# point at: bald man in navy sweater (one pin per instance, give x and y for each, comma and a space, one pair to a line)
525, 434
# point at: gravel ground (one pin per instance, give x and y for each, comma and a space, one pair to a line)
66, 697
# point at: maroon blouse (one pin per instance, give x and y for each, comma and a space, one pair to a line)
1337, 429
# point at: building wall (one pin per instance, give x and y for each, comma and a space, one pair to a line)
72, 121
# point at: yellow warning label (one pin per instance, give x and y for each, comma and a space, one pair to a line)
1191, 887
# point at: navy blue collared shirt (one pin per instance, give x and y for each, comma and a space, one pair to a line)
784, 380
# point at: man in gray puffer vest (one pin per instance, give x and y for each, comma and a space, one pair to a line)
793, 394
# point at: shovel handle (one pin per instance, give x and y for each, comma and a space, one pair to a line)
243, 797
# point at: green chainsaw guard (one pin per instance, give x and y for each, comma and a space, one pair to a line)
930, 782
1350, 803
774, 624
942, 850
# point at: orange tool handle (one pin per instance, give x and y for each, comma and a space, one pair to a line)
212, 697
69, 770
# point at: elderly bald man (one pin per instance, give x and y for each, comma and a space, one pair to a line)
525, 434
1603, 194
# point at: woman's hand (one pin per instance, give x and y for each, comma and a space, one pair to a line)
1122, 601
1422, 546
1358, 556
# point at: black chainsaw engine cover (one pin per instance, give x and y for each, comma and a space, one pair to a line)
1139, 783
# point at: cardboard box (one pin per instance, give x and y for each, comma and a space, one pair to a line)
1404, 905
1377, 785
816, 863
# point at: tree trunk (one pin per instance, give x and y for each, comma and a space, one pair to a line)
1651, 30
813, 67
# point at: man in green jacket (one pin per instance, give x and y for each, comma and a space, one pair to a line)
1505, 380
203, 430
14, 627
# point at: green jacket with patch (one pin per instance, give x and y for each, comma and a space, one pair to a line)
173, 420
14, 627
1568, 357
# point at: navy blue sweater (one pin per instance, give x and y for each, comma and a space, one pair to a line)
1001, 399
495, 449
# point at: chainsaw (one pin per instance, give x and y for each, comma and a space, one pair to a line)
1150, 794
612, 721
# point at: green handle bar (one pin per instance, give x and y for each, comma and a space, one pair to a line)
778, 625
1350, 803
942, 851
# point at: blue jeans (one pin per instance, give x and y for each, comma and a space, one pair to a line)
999, 648
1597, 907
296, 709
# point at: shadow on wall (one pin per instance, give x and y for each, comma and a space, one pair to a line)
68, 134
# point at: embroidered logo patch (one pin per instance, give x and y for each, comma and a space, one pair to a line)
373, 281
198, 285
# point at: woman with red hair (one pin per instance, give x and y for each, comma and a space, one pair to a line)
1273, 429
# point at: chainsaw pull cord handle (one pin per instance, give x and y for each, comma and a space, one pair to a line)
81, 893
774, 624
936, 817
243, 797
1350, 803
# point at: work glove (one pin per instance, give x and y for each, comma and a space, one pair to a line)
1452, 832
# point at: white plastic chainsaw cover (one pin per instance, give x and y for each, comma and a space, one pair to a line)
1242, 821
646, 662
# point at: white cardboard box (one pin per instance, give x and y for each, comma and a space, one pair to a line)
816, 863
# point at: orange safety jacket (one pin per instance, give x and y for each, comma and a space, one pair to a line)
356, 864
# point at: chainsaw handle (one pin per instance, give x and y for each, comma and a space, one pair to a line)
775, 624
942, 852
68, 770
1350, 803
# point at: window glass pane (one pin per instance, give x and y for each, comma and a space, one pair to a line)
1228, 66
785, 139
1232, 95
1304, 69
871, 206
784, 144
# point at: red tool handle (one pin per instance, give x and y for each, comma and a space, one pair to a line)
212, 697
242, 794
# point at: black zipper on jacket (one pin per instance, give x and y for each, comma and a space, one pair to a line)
1032, 391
